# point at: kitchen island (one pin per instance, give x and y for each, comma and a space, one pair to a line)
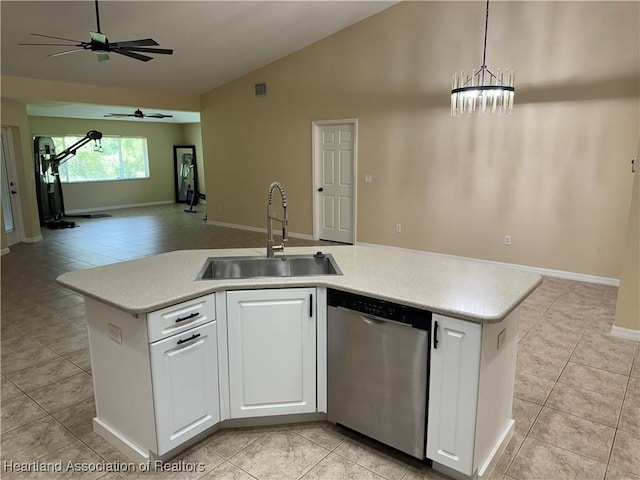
172, 360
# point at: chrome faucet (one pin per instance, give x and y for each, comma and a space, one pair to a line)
271, 216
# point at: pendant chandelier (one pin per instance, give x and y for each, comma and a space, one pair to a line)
482, 90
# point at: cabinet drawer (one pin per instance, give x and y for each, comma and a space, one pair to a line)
181, 317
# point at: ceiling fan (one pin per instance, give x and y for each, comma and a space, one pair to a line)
102, 47
138, 114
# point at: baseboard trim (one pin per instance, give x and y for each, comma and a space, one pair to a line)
4, 251
580, 277
302, 236
485, 470
626, 333
82, 211
32, 239
120, 442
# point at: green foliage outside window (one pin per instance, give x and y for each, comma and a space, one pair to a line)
120, 158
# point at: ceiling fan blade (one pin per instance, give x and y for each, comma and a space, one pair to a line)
137, 56
57, 38
158, 115
52, 44
119, 115
66, 52
103, 57
146, 42
160, 51
98, 37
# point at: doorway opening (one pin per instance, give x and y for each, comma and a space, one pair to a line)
11, 208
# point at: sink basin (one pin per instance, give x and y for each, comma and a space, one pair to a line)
217, 268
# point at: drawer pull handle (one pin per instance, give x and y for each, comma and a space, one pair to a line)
178, 320
192, 337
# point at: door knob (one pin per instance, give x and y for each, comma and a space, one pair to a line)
321, 189
13, 192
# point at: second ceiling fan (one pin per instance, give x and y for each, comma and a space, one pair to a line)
138, 114
100, 45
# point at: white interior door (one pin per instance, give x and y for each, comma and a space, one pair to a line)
11, 213
335, 178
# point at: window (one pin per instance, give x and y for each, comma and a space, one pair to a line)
120, 158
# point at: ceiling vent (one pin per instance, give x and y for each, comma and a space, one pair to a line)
260, 89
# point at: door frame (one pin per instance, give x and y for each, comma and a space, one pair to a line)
10, 164
317, 174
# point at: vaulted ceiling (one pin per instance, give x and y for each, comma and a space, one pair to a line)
214, 42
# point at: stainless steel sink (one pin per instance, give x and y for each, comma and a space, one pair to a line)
217, 268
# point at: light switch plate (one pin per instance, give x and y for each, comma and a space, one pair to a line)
368, 179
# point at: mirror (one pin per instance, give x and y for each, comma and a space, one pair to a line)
184, 157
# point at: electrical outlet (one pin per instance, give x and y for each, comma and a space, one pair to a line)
398, 228
368, 179
502, 337
115, 334
507, 239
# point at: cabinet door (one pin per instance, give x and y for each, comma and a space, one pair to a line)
453, 392
272, 352
184, 372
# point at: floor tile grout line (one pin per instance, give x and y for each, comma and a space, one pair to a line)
300, 477
573, 451
55, 381
360, 465
45, 409
239, 451
31, 366
524, 440
40, 419
567, 450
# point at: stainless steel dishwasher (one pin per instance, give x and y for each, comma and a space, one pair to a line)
378, 355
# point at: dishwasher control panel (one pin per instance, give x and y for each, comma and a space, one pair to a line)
380, 308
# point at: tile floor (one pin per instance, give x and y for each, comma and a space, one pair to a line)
576, 405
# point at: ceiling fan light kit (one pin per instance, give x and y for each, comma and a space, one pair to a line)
100, 45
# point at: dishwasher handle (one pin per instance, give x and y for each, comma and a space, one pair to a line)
373, 320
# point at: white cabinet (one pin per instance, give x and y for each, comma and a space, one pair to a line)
272, 351
152, 396
185, 385
453, 392
470, 393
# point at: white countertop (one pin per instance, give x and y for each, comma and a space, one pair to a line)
466, 289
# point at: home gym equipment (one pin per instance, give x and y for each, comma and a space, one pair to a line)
192, 198
48, 185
